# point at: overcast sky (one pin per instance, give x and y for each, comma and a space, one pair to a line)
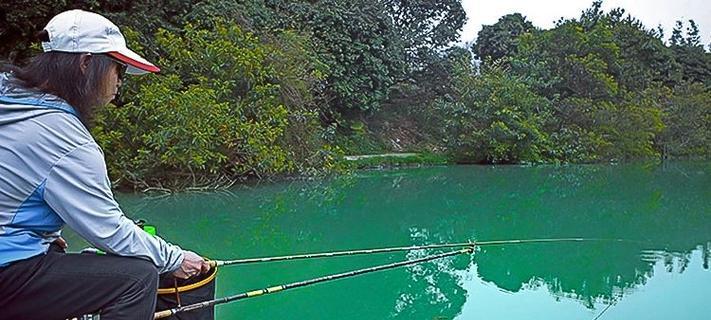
543, 13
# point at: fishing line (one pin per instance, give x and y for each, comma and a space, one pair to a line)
613, 302
219, 263
603, 311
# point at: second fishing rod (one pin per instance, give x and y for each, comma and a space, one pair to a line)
396, 249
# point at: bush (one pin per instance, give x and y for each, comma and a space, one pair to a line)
495, 118
588, 130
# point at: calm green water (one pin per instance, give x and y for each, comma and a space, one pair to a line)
662, 274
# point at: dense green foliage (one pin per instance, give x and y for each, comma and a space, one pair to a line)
501, 39
687, 116
367, 45
201, 123
495, 118
601, 87
265, 87
579, 68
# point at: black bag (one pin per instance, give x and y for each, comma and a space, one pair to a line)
197, 289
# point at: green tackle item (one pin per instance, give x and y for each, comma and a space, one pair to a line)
150, 229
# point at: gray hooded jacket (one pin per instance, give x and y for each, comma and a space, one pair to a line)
52, 172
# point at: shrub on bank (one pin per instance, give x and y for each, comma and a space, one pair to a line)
494, 118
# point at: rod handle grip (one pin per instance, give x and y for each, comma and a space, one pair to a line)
162, 314
212, 263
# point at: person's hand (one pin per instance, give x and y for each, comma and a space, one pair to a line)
192, 265
61, 242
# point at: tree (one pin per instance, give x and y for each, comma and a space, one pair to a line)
425, 26
690, 53
568, 61
500, 40
355, 40
693, 38
411, 103
644, 59
687, 119
592, 15
677, 39
596, 72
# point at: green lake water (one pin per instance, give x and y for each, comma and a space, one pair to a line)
660, 270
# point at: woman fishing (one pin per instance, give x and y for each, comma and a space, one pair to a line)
53, 173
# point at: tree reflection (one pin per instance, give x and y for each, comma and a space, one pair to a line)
435, 289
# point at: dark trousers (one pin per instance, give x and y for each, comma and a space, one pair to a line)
61, 286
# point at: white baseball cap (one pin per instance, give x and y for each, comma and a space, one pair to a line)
88, 32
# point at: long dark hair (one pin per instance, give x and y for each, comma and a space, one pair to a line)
58, 73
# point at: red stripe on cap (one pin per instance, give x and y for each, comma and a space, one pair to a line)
134, 63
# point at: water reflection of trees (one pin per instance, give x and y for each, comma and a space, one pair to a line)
660, 209
589, 273
434, 292
655, 206
435, 289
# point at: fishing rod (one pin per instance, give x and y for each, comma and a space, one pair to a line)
255, 293
218, 263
